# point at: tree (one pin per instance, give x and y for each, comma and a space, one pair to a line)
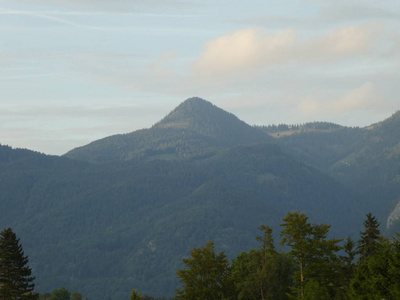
16, 280
370, 238
267, 258
394, 268
348, 248
347, 266
207, 275
371, 278
251, 279
314, 254
60, 294
263, 272
135, 295
76, 296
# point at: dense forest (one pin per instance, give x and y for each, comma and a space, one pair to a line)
309, 265
121, 212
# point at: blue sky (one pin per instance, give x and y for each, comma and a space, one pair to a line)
73, 71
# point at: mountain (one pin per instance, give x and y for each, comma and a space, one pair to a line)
121, 212
367, 160
103, 229
196, 129
204, 118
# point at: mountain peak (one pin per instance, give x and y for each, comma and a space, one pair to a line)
193, 112
194, 128
204, 118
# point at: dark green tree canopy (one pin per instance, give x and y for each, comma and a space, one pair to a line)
61, 294
207, 275
135, 295
262, 273
313, 252
16, 280
370, 238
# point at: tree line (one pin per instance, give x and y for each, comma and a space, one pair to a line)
313, 267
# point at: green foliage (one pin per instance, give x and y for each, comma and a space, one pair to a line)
314, 254
61, 294
16, 280
371, 280
135, 295
76, 296
265, 274
377, 274
262, 273
136, 220
313, 290
207, 275
370, 238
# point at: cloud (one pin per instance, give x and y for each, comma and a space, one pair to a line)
363, 97
253, 49
339, 44
247, 48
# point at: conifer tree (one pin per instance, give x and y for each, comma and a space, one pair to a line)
16, 281
135, 295
370, 238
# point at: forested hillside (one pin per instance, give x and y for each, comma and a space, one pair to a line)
367, 160
121, 212
196, 129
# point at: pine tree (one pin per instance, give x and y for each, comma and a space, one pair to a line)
370, 238
135, 295
16, 281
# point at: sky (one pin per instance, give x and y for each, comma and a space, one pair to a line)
74, 71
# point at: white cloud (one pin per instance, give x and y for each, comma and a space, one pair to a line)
253, 49
344, 41
363, 97
247, 48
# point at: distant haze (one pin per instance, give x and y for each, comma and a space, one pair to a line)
75, 71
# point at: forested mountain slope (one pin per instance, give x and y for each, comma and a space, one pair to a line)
194, 130
121, 212
104, 229
367, 160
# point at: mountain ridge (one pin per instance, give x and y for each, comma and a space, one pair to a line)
195, 129
125, 210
